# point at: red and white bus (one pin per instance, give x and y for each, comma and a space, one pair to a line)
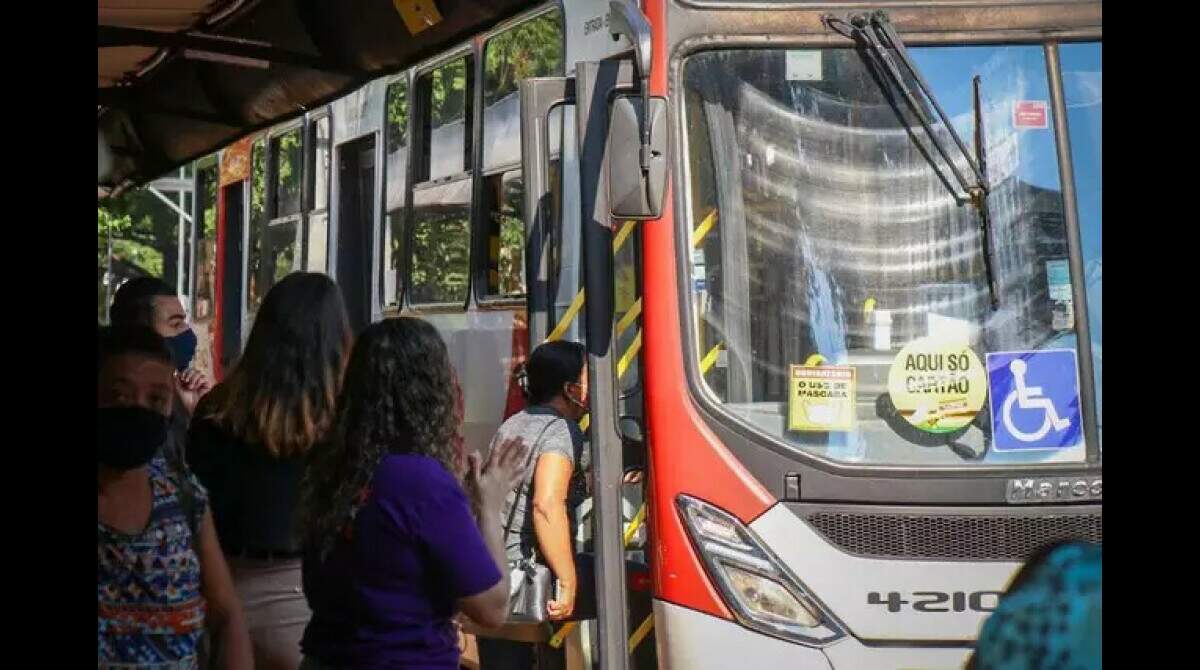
838, 269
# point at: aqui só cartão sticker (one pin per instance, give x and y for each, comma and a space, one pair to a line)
821, 398
937, 384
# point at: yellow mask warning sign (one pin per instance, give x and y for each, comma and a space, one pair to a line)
820, 398
937, 385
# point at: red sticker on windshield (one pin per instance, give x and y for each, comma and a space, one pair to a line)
1030, 114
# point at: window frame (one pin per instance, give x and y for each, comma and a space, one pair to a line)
308, 192
683, 200
420, 108
408, 77
271, 219
259, 143
198, 201
480, 251
418, 144
273, 136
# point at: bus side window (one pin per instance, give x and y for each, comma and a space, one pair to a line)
441, 220
282, 237
317, 231
395, 194
505, 228
533, 48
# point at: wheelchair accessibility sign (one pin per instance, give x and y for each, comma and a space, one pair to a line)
1034, 398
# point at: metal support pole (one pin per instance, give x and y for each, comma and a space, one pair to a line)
179, 245
1083, 335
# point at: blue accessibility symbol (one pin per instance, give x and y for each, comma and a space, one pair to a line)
1034, 398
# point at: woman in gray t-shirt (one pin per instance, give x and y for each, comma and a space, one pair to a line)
543, 504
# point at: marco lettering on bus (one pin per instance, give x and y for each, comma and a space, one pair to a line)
1029, 490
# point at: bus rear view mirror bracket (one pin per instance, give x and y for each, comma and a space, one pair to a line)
634, 192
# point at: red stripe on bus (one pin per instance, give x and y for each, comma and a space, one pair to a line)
685, 456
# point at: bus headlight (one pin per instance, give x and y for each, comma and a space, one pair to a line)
762, 593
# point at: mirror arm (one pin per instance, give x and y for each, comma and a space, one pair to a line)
626, 19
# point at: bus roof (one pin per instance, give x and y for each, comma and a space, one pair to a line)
182, 79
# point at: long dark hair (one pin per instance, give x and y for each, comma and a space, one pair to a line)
400, 397
282, 392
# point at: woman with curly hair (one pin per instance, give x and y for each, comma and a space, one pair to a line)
393, 547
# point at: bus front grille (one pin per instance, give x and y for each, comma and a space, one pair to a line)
964, 537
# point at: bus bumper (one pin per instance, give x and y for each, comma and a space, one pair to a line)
850, 653
692, 640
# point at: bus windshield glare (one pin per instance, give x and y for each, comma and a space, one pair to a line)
840, 289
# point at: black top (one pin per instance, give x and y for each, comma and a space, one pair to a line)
253, 495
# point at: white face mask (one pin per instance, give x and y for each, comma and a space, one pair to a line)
573, 400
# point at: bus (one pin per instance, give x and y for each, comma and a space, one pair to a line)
837, 267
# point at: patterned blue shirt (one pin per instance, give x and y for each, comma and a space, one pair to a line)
150, 612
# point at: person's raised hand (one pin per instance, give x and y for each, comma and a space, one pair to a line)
192, 384
504, 469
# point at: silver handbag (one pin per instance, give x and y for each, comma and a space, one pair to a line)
529, 590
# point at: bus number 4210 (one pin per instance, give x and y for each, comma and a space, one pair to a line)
936, 601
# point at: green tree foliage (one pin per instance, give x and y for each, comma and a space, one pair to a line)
144, 240
288, 169
396, 137
532, 49
509, 258
397, 116
448, 93
258, 208
441, 243
210, 199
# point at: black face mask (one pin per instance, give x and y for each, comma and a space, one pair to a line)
128, 437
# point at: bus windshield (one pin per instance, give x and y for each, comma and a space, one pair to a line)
839, 283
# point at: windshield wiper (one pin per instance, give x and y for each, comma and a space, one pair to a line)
985, 215
875, 31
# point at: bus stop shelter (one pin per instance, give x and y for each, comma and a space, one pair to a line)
179, 79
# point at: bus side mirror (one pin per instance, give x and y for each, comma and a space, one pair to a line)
634, 192
637, 131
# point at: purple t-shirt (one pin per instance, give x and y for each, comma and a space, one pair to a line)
385, 598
